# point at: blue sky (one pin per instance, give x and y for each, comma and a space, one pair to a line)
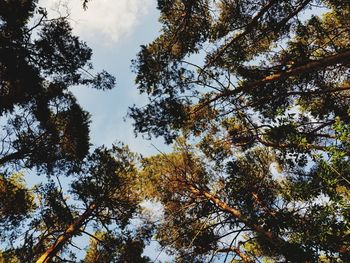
114, 30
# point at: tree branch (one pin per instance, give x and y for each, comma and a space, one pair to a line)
251, 25
290, 251
306, 68
71, 230
237, 37
240, 253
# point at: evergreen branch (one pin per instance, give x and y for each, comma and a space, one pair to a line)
331, 60
251, 25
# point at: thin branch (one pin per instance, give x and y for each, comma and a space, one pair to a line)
306, 68
240, 253
238, 37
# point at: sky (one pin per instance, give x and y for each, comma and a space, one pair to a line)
114, 30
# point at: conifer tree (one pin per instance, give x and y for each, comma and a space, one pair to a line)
42, 125
261, 91
45, 131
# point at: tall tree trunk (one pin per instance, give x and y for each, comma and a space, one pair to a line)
292, 252
71, 230
343, 57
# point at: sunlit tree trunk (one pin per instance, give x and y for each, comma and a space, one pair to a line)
290, 250
294, 71
71, 230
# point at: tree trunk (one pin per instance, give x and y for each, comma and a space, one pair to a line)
71, 230
306, 68
291, 252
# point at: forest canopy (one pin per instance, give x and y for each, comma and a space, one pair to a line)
45, 131
256, 95
253, 96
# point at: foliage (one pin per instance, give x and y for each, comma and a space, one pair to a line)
102, 198
261, 89
128, 250
45, 131
42, 125
16, 203
285, 97
256, 96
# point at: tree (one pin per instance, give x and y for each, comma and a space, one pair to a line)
254, 85
305, 70
102, 198
246, 210
43, 127
16, 203
42, 124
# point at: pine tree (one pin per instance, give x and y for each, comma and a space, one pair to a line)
42, 125
45, 131
261, 90
99, 203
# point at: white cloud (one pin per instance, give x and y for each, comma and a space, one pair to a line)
104, 20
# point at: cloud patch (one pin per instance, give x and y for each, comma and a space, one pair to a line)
104, 20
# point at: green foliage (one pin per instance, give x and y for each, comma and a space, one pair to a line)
260, 88
41, 122
45, 131
238, 77
256, 85
17, 202
105, 248
106, 198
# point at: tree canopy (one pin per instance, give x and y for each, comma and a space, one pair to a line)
45, 131
260, 91
254, 95
42, 124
